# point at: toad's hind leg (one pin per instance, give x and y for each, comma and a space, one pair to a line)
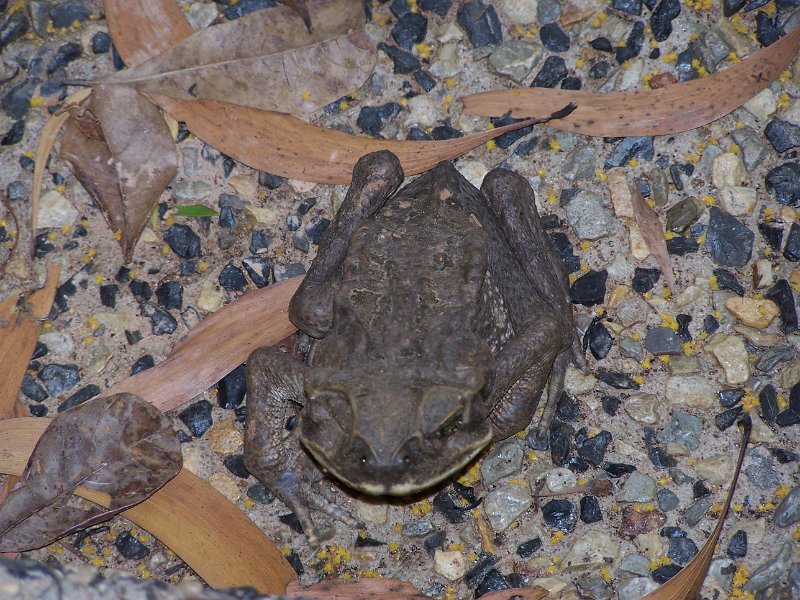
376, 176
545, 331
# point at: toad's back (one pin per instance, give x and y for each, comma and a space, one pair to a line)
411, 281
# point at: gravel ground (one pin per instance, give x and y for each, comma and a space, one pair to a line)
670, 373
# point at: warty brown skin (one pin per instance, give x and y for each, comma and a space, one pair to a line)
440, 312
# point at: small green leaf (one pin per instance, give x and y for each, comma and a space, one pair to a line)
195, 210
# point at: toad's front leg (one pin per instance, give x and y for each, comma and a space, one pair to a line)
272, 450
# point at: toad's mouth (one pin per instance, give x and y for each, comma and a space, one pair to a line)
394, 481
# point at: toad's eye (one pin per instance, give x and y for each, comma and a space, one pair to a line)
327, 405
450, 426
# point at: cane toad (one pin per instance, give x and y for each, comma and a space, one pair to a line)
439, 311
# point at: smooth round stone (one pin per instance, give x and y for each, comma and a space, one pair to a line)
728, 170
638, 488
763, 105
577, 383
757, 313
504, 459
422, 112
559, 479
450, 564
593, 549
770, 571
732, 356
667, 500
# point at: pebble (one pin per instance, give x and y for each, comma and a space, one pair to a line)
577, 383
505, 504
410, 29
756, 313
728, 170
559, 479
600, 340
763, 105
631, 348
691, 391
642, 408
130, 547
661, 18
481, 23
417, 529
594, 588
593, 549
211, 297
232, 388
183, 241
754, 150
694, 514
589, 289
792, 249
55, 211
161, 321
683, 429
376, 513
634, 564
232, 278
632, 76
729, 242
82, 395
663, 340
169, 294
553, 70
593, 450
636, 588
731, 354
783, 182
589, 216
404, 62
716, 470
553, 37
192, 190
59, 378
667, 500
225, 484
590, 510
781, 294
788, 511
504, 459
560, 514
630, 147
737, 546
783, 135
65, 54
763, 276
767, 30
771, 571
638, 488
235, 465
633, 43
197, 417
258, 269
225, 438
682, 550
515, 58
682, 215
580, 163
738, 200
761, 470
774, 356
450, 564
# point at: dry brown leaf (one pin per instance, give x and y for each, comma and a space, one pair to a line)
120, 447
47, 139
265, 140
123, 154
215, 347
389, 589
687, 583
299, 6
672, 109
20, 326
190, 517
265, 60
652, 232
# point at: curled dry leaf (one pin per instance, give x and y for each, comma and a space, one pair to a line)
266, 140
652, 232
265, 60
120, 447
672, 109
122, 152
686, 584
